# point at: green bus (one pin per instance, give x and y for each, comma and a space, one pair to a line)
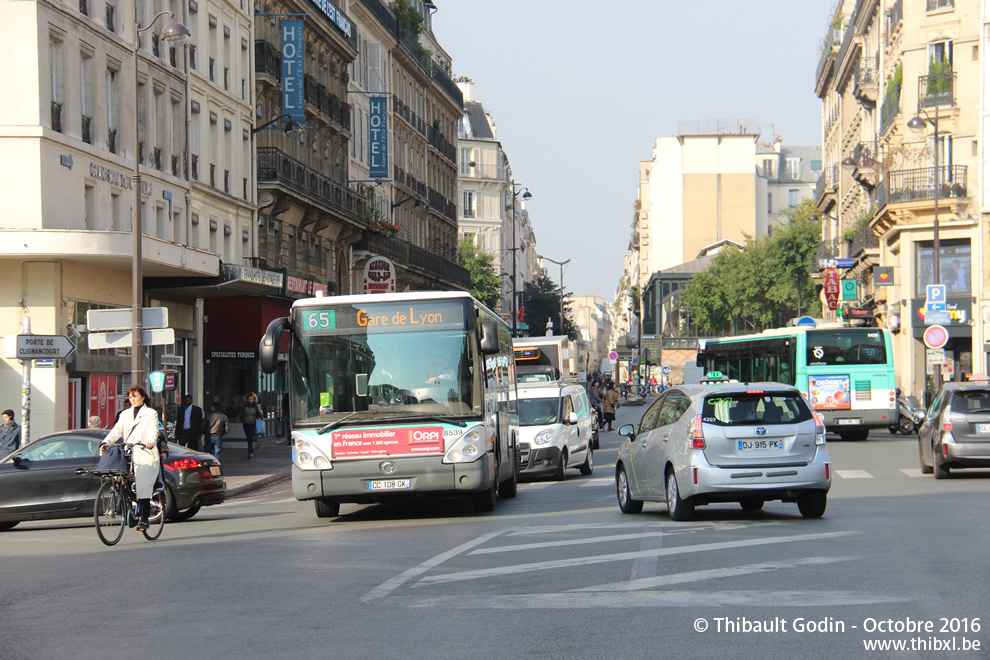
847, 374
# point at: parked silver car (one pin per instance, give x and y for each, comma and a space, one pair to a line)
731, 442
956, 430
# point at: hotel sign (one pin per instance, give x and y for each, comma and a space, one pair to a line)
293, 103
336, 16
378, 137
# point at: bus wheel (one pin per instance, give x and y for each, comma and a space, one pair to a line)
508, 488
327, 509
485, 501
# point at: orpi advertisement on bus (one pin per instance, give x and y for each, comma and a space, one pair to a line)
361, 442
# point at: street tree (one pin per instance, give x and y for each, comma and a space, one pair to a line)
486, 285
542, 303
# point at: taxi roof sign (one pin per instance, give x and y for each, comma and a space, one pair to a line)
714, 377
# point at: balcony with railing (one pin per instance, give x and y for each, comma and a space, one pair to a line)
56, 116
226, 181
442, 205
441, 144
866, 80
195, 167
433, 262
213, 175
864, 240
157, 155
922, 184
326, 103
112, 140
895, 18
826, 186
109, 18
936, 5
267, 61
175, 166
87, 129
275, 166
891, 106
226, 77
936, 89
84, 7
192, 56
155, 49
172, 57
213, 69
409, 181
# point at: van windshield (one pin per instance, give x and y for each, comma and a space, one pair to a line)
539, 412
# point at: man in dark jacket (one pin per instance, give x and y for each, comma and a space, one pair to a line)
215, 426
10, 434
190, 424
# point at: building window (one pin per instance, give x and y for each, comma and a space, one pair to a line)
468, 204
768, 168
794, 167
793, 197
955, 265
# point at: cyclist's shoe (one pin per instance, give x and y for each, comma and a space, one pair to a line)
142, 524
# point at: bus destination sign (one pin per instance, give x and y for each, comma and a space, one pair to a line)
385, 317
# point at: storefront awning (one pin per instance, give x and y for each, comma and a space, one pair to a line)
232, 281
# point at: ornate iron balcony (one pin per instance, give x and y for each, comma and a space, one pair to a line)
56, 116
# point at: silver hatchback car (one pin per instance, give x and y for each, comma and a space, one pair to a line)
956, 431
732, 442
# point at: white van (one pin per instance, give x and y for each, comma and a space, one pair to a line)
557, 430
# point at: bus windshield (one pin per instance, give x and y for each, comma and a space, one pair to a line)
844, 347
355, 363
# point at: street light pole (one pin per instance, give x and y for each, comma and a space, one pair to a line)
561, 264
918, 124
175, 34
526, 195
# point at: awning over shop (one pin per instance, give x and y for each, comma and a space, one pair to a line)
233, 281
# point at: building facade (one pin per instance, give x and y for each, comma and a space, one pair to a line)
902, 89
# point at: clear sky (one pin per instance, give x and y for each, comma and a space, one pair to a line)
580, 90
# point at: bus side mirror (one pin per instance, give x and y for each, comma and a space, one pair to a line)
268, 349
489, 337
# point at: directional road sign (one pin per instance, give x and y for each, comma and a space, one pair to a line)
120, 318
935, 356
100, 340
31, 347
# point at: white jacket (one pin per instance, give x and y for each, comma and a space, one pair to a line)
139, 432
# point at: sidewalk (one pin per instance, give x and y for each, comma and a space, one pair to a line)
271, 462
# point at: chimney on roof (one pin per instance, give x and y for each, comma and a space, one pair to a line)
777, 144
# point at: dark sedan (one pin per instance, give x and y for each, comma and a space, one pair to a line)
956, 431
39, 482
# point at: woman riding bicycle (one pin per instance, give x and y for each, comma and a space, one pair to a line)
138, 426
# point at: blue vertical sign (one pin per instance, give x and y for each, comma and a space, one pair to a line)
293, 101
378, 137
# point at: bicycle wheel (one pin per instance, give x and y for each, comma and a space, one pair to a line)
156, 517
110, 513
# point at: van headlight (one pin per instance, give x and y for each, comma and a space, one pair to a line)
307, 456
469, 447
544, 437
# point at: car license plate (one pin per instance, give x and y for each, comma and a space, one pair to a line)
215, 470
390, 484
760, 445
844, 422
983, 428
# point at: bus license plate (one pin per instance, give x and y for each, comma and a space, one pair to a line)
760, 445
215, 470
842, 422
390, 484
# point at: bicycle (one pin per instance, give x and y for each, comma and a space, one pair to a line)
116, 506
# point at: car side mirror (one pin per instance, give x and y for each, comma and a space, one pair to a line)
18, 462
627, 430
572, 417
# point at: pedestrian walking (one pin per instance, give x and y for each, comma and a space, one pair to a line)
10, 434
249, 415
215, 426
190, 423
595, 398
95, 422
610, 405
138, 426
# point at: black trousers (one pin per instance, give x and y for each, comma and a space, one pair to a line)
188, 438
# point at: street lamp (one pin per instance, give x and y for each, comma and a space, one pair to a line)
526, 195
174, 34
561, 264
292, 128
919, 125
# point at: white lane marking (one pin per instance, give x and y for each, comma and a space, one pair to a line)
620, 556
854, 474
913, 472
538, 484
711, 574
558, 544
390, 585
680, 526
692, 599
602, 481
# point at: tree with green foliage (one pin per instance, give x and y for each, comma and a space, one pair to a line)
486, 285
764, 284
543, 303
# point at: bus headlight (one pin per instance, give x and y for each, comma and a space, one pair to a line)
306, 455
469, 447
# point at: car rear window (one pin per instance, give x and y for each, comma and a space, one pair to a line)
971, 401
748, 408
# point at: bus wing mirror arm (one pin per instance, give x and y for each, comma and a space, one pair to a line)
489, 337
268, 349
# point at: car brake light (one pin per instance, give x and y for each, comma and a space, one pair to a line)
755, 391
819, 428
205, 475
946, 426
183, 464
697, 434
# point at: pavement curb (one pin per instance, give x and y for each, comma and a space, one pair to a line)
263, 481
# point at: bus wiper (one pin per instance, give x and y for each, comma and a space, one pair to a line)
438, 418
334, 424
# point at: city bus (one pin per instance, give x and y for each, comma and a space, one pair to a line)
847, 374
398, 395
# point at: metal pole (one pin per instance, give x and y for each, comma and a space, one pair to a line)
514, 321
137, 292
26, 391
937, 279
562, 298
